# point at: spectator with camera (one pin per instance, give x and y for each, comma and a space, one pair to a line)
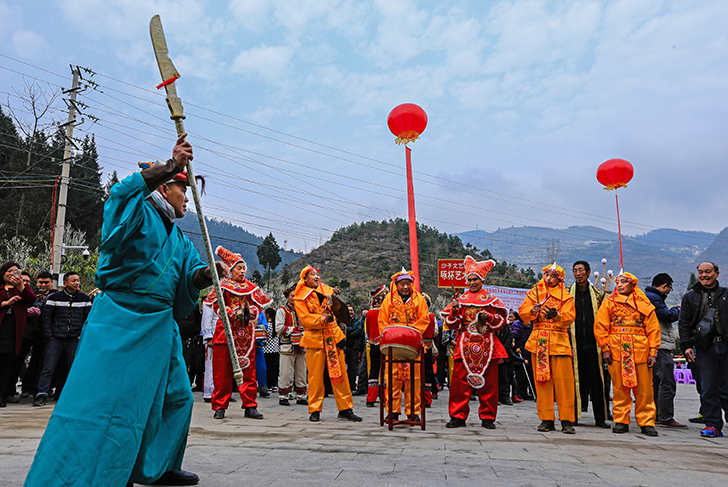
15, 297
704, 339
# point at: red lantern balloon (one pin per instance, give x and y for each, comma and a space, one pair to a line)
615, 173
407, 122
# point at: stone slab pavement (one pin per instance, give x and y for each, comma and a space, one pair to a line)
286, 449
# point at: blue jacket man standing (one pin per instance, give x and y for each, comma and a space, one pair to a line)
663, 379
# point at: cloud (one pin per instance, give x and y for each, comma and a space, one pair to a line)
269, 62
28, 44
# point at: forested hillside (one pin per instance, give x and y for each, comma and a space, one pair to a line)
363, 256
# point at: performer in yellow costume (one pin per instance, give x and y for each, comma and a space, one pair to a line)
628, 332
321, 338
551, 309
406, 307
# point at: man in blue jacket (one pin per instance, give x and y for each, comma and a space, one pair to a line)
663, 379
63, 317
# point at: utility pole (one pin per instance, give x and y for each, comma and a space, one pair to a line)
63, 193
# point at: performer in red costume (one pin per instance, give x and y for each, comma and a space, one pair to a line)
475, 315
372, 325
236, 292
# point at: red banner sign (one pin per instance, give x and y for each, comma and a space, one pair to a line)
451, 272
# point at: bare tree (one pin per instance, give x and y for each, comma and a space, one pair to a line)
33, 119
553, 249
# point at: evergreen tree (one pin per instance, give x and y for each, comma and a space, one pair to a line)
269, 254
693, 281
86, 193
257, 278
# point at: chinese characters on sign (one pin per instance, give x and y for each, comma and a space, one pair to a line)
451, 272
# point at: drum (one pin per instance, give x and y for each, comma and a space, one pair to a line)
404, 341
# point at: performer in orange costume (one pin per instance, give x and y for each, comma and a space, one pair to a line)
628, 332
236, 292
372, 324
551, 309
477, 351
321, 337
405, 307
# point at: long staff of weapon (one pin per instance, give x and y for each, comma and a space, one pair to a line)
169, 75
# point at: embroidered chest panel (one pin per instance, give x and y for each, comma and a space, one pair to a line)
625, 315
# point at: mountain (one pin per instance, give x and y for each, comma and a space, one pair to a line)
363, 256
233, 238
663, 250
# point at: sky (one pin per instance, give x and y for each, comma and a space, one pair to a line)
287, 104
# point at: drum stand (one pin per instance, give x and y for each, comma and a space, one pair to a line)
387, 362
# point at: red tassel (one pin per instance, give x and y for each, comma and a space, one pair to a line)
170, 80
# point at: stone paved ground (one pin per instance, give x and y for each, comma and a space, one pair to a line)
286, 449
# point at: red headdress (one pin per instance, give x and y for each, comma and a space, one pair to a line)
230, 258
480, 269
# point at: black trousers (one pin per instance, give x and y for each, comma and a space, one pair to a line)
273, 365
429, 370
362, 375
590, 383
524, 376
351, 356
505, 372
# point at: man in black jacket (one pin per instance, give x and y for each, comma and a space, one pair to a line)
61, 321
712, 359
354, 346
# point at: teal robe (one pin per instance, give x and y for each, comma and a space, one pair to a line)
125, 410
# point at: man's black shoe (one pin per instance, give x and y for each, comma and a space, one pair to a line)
253, 413
348, 415
40, 400
263, 393
507, 401
207, 399
546, 426
370, 404
283, 402
303, 402
315, 416
567, 427
12, 399
455, 423
649, 430
488, 424
602, 424
232, 399
620, 428
394, 416
177, 478
698, 419
219, 414
414, 417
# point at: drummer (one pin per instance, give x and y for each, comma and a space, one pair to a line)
404, 306
474, 316
323, 340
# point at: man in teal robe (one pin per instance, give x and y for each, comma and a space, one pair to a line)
125, 411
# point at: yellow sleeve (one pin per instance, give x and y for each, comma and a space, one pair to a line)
383, 316
525, 311
567, 313
602, 322
424, 316
309, 320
